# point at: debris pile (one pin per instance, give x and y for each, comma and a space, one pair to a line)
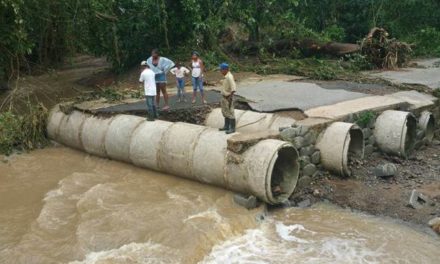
383, 51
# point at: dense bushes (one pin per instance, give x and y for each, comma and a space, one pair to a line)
23, 132
426, 41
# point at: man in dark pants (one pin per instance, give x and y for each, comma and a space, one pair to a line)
227, 103
148, 79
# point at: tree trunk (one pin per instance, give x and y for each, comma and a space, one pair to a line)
164, 23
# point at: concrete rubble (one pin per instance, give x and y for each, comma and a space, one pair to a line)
435, 224
385, 170
418, 200
305, 203
248, 202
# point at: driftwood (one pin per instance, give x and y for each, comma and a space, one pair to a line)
285, 46
385, 52
340, 49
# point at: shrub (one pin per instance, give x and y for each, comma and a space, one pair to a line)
364, 118
427, 42
23, 132
334, 33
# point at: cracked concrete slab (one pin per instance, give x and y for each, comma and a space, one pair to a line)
416, 99
429, 77
270, 96
428, 63
343, 109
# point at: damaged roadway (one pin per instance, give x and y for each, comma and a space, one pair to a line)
364, 191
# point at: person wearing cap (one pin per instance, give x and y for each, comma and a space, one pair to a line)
227, 103
160, 66
148, 79
198, 68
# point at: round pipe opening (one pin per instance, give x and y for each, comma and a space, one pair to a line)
430, 128
355, 148
409, 138
284, 174
395, 132
427, 124
340, 143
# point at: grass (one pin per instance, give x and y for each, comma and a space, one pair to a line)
110, 94
314, 68
364, 118
25, 131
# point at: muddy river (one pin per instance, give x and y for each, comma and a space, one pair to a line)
58, 205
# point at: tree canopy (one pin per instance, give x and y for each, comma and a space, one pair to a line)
45, 32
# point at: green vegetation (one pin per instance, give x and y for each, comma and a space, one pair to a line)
110, 94
23, 132
45, 32
310, 67
364, 118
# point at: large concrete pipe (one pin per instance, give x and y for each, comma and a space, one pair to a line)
186, 150
427, 125
395, 132
250, 121
339, 143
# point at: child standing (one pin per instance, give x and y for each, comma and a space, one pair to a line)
180, 71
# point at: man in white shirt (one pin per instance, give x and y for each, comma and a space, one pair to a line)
148, 79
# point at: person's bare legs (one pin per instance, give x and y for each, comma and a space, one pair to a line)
201, 89
157, 94
194, 97
163, 88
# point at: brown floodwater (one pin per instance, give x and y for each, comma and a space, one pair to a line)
59, 205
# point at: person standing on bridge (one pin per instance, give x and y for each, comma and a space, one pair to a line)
160, 66
198, 68
180, 71
227, 103
148, 79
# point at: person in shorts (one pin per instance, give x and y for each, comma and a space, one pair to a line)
160, 66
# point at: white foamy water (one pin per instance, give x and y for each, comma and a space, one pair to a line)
327, 235
145, 253
62, 206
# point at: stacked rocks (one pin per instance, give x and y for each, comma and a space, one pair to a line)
304, 140
368, 131
420, 136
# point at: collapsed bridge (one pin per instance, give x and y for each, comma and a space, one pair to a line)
271, 150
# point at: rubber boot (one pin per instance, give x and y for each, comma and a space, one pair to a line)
231, 126
226, 126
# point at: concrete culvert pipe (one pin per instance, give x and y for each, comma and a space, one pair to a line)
250, 121
185, 150
395, 132
338, 144
427, 124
